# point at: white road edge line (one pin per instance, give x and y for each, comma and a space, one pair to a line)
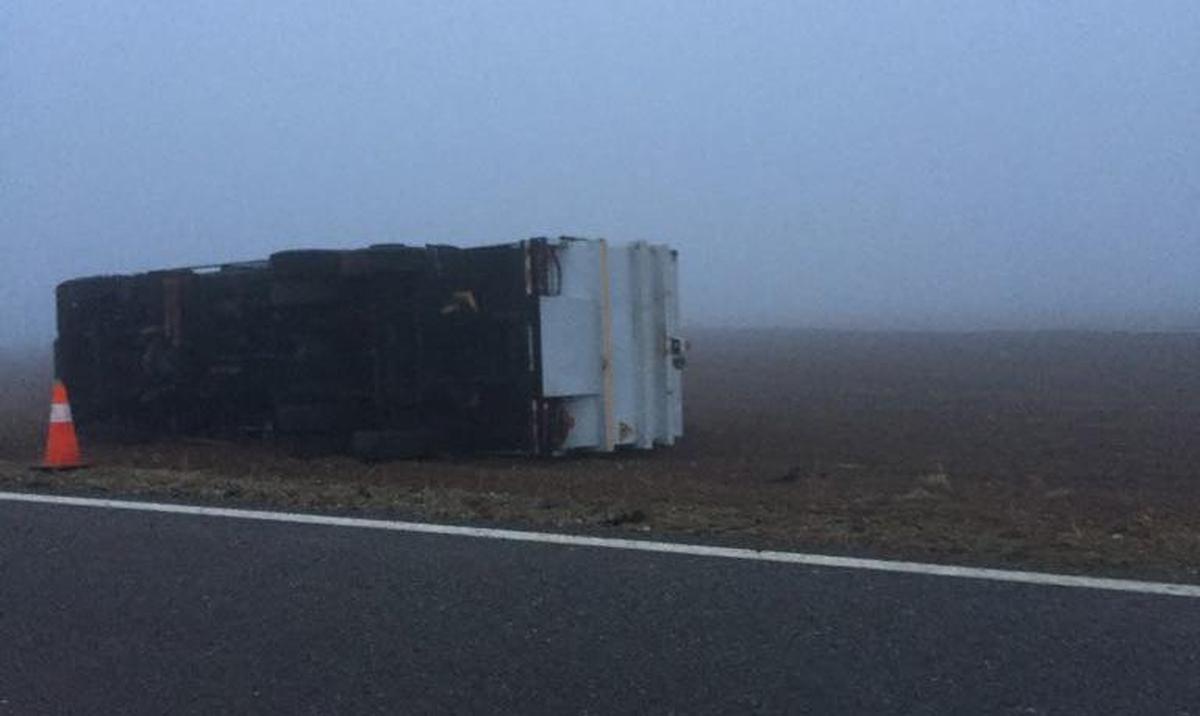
812, 560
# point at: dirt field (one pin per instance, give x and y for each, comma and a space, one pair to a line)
1072, 451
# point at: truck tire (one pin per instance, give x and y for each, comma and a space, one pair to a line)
301, 292
307, 263
373, 445
309, 418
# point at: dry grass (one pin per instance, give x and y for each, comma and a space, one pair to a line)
25, 377
1070, 451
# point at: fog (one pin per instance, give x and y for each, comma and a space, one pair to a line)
821, 164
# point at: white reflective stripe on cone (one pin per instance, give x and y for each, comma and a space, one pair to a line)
60, 413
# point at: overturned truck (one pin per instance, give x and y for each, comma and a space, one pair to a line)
536, 347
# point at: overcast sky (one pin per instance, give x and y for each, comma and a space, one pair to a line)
873, 164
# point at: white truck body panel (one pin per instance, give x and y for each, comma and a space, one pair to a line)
611, 345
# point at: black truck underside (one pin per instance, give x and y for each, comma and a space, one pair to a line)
386, 351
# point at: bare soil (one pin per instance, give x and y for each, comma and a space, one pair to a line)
1068, 451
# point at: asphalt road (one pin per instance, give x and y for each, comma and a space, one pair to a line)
109, 611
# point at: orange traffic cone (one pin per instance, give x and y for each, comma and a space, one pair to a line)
62, 448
